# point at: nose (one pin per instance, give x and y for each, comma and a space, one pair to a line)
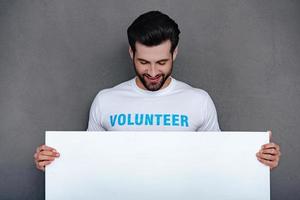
152, 71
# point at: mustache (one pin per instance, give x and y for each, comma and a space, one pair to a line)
149, 76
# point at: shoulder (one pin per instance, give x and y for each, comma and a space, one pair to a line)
191, 91
108, 93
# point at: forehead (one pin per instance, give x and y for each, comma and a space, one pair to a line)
160, 51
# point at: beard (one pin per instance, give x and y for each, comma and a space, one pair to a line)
153, 83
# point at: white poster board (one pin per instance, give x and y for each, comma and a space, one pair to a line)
157, 166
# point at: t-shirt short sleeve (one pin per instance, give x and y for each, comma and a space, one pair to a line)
210, 120
94, 123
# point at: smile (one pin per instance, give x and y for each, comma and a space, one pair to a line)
153, 79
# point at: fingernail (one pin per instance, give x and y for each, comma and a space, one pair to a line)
57, 154
54, 150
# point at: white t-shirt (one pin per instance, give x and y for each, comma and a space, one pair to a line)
178, 107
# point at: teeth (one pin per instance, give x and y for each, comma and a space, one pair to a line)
153, 78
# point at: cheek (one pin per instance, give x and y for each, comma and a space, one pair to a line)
140, 68
166, 68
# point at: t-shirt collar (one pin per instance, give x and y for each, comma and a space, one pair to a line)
160, 92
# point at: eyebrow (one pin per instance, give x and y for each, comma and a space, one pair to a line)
162, 60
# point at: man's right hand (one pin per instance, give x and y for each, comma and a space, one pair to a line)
44, 155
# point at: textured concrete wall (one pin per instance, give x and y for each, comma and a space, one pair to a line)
56, 55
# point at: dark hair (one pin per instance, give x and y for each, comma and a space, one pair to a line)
151, 29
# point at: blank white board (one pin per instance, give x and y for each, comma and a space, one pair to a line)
157, 166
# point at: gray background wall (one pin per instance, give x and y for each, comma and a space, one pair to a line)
56, 55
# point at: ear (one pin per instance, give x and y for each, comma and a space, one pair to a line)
175, 53
130, 53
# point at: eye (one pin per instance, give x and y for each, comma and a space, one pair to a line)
161, 63
143, 62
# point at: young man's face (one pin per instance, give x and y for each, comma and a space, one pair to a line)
153, 65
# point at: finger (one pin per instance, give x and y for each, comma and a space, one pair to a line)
41, 165
270, 134
45, 147
270, 145
45, 158
271, 151
271, 164
40, 168
49, 153
48, 163
266, 156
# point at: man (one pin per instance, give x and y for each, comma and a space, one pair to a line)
153, 100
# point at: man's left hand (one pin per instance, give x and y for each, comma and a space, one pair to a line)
269, 154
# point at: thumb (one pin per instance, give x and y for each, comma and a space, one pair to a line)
270, 134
